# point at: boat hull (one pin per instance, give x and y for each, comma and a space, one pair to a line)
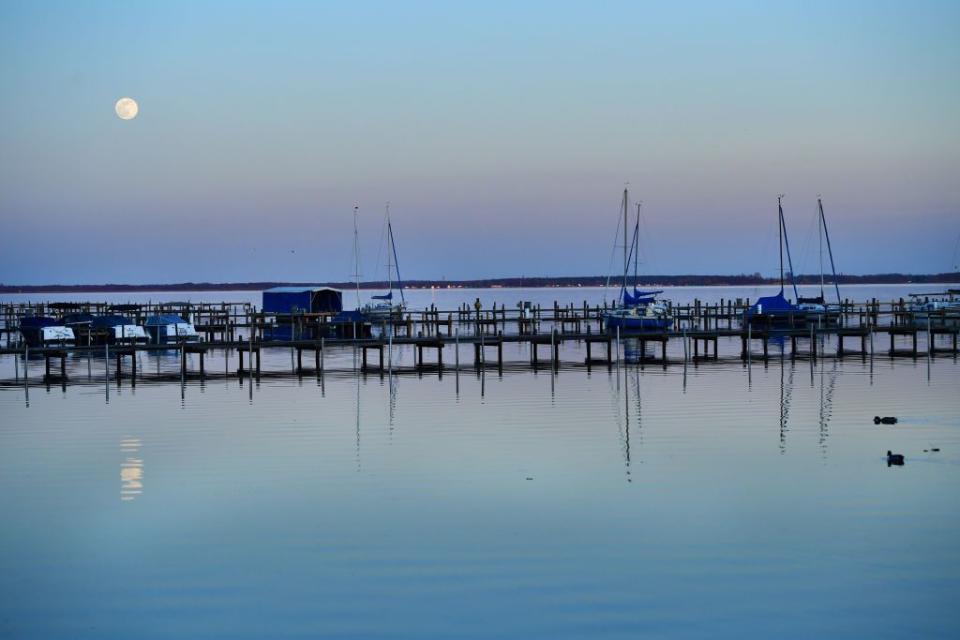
630, 324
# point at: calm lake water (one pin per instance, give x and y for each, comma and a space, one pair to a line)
718, 500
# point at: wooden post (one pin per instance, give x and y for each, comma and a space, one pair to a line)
500, 353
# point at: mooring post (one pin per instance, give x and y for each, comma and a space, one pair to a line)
483, 354
553, 340
251, 346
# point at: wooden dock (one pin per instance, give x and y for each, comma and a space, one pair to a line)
242, 330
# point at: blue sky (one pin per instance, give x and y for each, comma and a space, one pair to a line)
502, 134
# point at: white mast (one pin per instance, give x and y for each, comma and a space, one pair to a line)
389, 264
356, 253
626, 259
820, 238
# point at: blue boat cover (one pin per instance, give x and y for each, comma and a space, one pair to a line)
349, 316
639, 297
78, 318
772, 304
386, 296
110, 321
38, 322
163, 320
302, 300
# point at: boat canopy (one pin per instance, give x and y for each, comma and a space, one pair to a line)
163, 320
110, 321
302, 300
78, 318
385, 296
772, 304
639, 297
38, 322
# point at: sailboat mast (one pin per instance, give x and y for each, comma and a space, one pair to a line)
636, 235
780, 230
356, 253
786, 243
626, 258
820, 241
826, 234
389, 266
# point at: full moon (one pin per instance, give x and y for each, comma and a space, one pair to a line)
126, 108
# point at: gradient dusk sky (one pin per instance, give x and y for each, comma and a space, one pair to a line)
502, 134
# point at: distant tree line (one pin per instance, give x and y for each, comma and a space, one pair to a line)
522, 281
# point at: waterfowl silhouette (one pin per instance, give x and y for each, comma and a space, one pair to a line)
894, 459
884, 420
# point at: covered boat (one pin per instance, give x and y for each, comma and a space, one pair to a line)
43, 331
116, 329
170, 328
776, 312
653, 316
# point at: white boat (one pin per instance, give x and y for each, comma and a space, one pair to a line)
169, 327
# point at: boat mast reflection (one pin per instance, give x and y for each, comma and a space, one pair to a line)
786, 391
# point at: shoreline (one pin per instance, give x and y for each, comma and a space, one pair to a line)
490, 283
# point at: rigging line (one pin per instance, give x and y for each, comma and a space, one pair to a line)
396, 261
786, 243
806, 247
380, 244
613, 255
647, 258
826, 236
956, 254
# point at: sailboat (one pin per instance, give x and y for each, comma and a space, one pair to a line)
385, 307
818, 304
776, 311
636, 311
